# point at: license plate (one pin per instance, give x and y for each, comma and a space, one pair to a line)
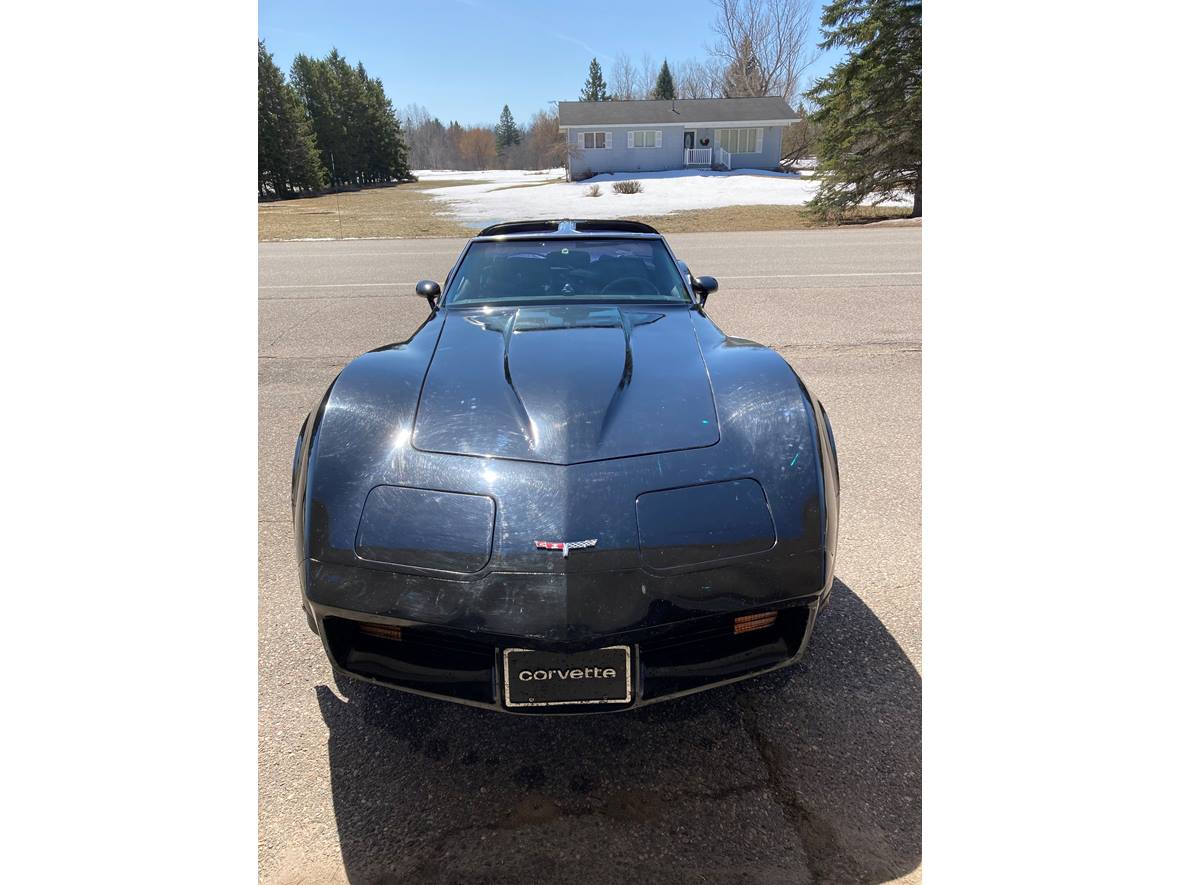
544, 679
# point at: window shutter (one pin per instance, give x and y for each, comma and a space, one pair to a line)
608, 138
630, 139
758, 141
659, 138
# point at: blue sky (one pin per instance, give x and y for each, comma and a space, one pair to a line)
464, 59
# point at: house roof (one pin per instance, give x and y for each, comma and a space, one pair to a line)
769, 110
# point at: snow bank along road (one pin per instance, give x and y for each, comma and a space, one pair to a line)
807, 775
663, 192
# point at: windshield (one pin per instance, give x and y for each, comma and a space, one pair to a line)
598, 269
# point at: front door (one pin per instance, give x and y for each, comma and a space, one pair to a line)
690, 138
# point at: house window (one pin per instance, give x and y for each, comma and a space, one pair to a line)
740, 141
595, 140
645, 138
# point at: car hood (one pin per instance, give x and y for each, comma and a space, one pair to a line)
566, 384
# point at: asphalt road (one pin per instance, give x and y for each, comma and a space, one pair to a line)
806, 775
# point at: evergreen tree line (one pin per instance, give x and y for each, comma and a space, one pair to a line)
331, 124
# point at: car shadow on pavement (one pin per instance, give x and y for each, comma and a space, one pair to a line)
810, 774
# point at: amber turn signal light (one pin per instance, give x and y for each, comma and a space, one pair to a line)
385, 631
746, 623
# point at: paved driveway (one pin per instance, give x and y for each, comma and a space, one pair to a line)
812, 774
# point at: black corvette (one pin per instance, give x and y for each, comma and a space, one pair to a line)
568, 491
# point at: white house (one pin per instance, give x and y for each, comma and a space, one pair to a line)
653, 135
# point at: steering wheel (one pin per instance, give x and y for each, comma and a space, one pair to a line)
627, 284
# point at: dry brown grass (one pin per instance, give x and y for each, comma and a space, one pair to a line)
399, 211
727, 218
404, 211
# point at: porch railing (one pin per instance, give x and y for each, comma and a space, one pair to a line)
698, 156
723, 158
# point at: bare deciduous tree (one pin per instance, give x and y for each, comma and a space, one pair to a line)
426, 138
624, 78
774, 34
695, 78
699, 79
545, 145
648, 70
477, 147
435, 146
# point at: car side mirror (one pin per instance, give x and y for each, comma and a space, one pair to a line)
704, 286
430, 290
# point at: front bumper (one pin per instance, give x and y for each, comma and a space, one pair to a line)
668, 661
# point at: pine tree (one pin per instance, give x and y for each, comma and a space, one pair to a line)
744, 77
664, 88
507, 133
386, 154
311, 80
400, 166
357, 132
870, 105
595, 88
348, 97
287, 155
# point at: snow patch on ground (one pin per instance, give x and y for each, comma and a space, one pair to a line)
501, 177
663, 192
